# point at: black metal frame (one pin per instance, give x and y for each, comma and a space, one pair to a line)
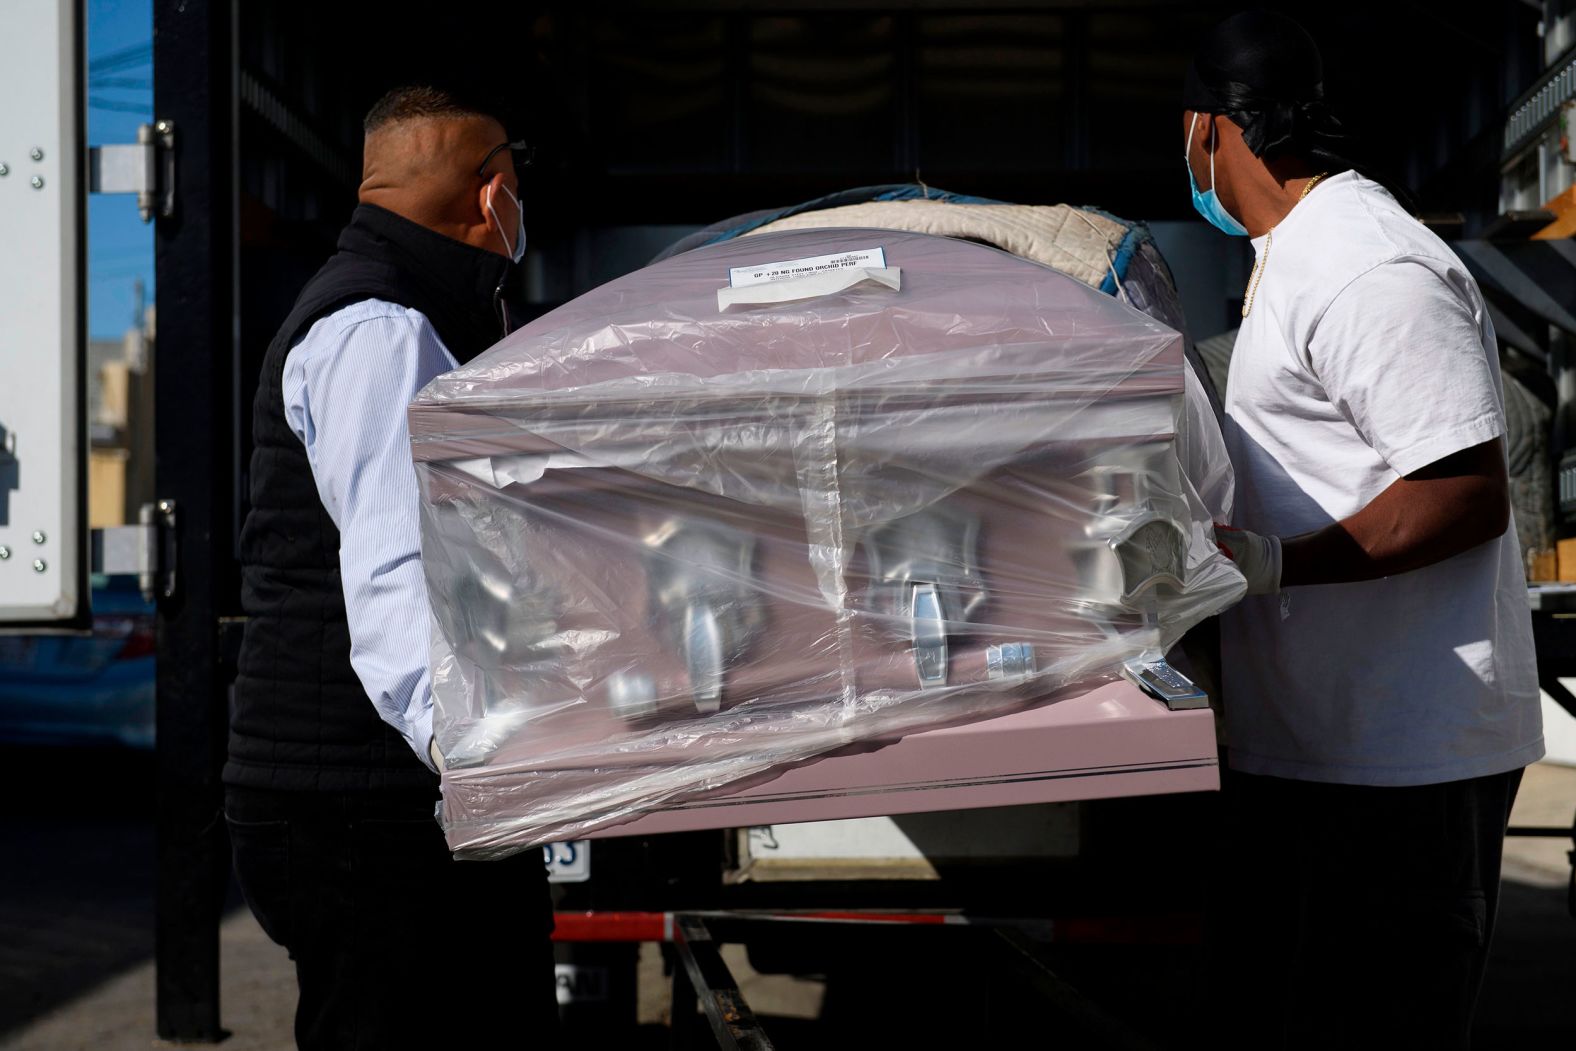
703, 979
194, 86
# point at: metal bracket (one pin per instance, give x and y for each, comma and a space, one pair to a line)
146, 550
1163, 682
160, 575
145, 168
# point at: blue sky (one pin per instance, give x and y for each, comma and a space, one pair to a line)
120, 97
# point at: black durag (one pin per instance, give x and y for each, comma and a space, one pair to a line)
1263, 71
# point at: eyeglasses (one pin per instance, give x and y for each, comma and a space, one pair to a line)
523, 152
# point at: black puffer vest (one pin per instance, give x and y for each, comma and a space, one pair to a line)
300, 719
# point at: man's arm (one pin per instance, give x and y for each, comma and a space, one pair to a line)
346, 388
1432, 514
1401, 354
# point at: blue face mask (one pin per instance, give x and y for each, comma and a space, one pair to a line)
1207, 204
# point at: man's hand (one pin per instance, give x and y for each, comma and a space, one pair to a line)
1258, 558
437, 756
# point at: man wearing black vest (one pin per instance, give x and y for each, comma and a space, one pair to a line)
332, 777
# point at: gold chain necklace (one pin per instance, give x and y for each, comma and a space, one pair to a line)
1269, 239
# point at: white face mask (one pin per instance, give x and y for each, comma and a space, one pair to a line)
517, 252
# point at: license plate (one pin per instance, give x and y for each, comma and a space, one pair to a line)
567, 862
578, 984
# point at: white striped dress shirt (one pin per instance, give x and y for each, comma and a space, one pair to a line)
346, 386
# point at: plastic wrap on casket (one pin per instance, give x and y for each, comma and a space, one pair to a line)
672, 544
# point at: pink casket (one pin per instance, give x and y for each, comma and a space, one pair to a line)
787, 495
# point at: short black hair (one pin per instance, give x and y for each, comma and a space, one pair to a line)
416, 101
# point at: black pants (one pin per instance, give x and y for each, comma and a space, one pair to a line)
395, 944
1352, 916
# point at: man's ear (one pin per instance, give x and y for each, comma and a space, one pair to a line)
491, 193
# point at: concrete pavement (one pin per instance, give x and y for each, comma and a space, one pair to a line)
256, 998
1526, 1003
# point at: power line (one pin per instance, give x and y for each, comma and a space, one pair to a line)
118, 107
136, 83
122, 58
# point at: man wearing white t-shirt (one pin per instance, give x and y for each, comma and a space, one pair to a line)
1380, 690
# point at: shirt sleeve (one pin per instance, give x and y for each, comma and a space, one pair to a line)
1401, 355
346, 389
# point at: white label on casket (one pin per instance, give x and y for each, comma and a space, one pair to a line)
567, 862
765, 273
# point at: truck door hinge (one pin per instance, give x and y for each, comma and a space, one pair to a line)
145, 168
146, 550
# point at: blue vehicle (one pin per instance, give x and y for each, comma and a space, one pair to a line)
95, 689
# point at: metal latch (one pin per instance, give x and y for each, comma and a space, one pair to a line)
146, 550
145, 168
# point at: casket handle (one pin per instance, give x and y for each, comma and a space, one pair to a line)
703, 656
928, 629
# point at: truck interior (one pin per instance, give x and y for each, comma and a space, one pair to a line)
650, 120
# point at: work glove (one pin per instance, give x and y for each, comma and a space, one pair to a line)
1258, 558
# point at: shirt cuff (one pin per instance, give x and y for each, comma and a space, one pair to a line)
1420, 454
420, 738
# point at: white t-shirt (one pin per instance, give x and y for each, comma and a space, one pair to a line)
1368, 353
